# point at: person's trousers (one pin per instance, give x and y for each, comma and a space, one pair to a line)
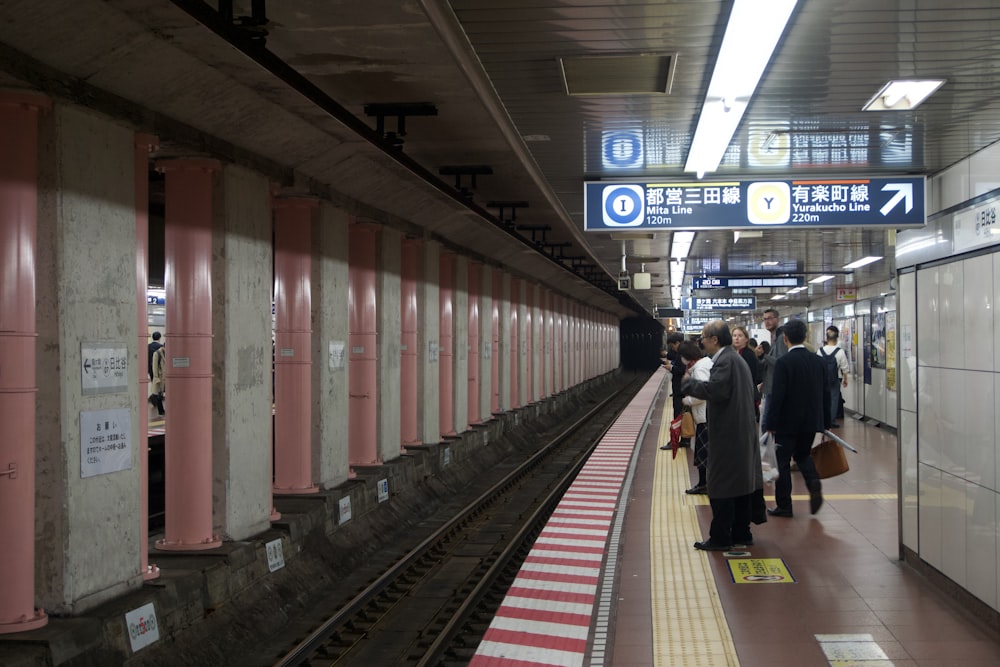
799, 447
730, 520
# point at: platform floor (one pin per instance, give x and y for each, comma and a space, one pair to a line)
852, 601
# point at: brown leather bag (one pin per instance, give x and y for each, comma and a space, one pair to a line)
830, 459
687, 425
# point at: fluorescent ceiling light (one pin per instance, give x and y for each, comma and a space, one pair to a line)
681, 245
771, 263
676, 273
902, 95
864, 261
820, 279
778, 297
753, 31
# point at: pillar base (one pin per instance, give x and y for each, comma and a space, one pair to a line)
38, 620
275, 514
209, 543
152, 572
295, 491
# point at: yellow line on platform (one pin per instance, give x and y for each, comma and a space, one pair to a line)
689, 624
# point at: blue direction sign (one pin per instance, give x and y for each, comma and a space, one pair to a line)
860, 202
719, 303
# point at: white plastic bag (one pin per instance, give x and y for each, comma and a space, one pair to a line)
768, 459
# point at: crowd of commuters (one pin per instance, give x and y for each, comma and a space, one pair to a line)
738, 390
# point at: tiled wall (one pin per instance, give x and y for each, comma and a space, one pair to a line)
949, 426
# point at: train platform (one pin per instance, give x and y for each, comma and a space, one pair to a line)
823, 589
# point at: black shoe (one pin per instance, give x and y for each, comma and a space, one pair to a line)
780, 511
709, 545
697, 490
742, 544
834, 425
666, 447
815, 498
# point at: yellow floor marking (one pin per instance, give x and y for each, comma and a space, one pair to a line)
689, 624
759, 571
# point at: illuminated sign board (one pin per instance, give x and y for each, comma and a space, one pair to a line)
723, 303
743, 283
805, 203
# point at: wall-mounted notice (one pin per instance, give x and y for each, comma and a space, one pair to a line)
105, 441
142, 627
103, 368
344, 509
275, 556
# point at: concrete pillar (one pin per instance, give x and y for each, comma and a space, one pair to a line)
188, 262
389, 247
410, 263
460, 344
242, 293
446, 351
428, 368
487, 349
144, 143
18, 238
474, 297
330, 379
293, 345
362, 347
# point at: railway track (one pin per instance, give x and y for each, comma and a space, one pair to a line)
434, 604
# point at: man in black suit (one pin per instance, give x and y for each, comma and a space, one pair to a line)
796, 410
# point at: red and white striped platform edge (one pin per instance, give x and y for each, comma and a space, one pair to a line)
545, 618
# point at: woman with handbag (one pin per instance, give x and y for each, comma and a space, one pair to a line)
699, 367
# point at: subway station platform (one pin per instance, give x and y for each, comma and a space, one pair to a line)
823, 589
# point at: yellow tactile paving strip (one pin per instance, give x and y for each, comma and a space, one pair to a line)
689, 624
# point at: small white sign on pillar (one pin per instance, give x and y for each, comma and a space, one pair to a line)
344, 507
103, 368
105, 441
275, 556
142, 627
383, 490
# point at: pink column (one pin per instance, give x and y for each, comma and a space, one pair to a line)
475, 281
495, 338
446, 361
293, 345
18, 248
362, 420
529, 341
144, 143
188, 255
550, 359
515, 343
409, 265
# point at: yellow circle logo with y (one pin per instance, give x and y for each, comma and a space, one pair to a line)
769, 203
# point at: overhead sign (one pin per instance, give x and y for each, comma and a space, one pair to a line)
103, 368
663, 312
723, 303
743, 283
804, 203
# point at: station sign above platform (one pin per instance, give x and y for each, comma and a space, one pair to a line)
746, 283
735, 204
719, 303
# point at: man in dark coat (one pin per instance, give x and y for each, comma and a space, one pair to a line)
734, 473
797, 409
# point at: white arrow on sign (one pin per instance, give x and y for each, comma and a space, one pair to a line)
903, 191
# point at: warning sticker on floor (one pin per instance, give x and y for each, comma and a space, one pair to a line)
759, 571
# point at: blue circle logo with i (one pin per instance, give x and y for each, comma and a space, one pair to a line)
624, 205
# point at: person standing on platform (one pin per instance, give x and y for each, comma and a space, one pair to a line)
153, 347
734, 473
798, 408
778, 348
699, 366
832, 349
159, 384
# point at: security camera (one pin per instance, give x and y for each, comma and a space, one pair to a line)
624, 282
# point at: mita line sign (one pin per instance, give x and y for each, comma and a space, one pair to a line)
801, 203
